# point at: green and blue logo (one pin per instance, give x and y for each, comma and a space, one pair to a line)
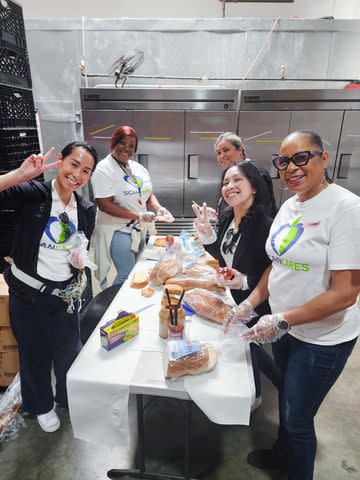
286, 237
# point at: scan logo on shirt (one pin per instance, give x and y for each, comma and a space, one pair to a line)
57, 234
283, 240
136, 182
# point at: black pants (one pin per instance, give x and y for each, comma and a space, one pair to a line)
47, 337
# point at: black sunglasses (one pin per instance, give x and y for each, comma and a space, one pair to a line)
299, 159
66, 231
231, 238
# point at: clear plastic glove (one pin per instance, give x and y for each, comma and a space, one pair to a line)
212, 213
205, 231
147, 217
236, 282
266, 330
242, 313
163, 215
78, 255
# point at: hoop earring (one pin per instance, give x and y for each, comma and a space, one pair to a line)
282, 188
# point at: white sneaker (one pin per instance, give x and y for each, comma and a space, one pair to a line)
49, 422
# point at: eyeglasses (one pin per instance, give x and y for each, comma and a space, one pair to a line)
231, 238
66, 231
299, 159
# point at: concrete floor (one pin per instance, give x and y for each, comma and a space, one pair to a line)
36, 455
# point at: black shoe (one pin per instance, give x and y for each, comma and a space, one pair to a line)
266, 460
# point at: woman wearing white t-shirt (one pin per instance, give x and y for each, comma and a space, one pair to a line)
123, 192
312, 286
47, 277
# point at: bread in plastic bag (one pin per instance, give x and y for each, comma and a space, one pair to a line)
207, 304
198, 275
182, 357
176, 259
11, 422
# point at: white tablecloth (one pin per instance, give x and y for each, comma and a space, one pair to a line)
99, 381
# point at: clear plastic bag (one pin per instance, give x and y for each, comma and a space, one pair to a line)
198, 275
78, 253
11, 422
184, 357
207, 304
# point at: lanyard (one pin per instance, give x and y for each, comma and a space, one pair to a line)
134, 179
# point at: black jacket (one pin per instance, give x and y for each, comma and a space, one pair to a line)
250, 257
32, 203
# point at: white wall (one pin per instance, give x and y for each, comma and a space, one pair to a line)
187, 9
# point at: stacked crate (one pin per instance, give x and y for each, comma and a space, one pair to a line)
9, 358
18, 132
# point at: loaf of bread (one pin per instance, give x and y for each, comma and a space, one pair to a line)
164, 269
188, 283
139, 280
160, 242
211, 262
207, 304
196, 363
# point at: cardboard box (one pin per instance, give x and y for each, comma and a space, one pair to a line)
9, 364
7, 339
6, 378
119, 330
4, 303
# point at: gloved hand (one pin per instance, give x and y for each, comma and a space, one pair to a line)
266, 329
163, 215
234, 283
205, 231
242, 313
147, 217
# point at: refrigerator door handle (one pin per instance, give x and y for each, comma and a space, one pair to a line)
193, 166
143, 159
344, 165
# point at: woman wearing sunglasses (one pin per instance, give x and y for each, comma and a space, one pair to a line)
312, 286
240, 244
44, 281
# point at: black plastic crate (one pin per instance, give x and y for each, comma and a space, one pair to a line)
12, 29
14, 65
16, 107
16, 145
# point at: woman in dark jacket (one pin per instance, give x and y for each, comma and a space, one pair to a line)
240, 243
47, 276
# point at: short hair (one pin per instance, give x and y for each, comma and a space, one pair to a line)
120, 133
256, 179
232, 138
314, 138
68, 149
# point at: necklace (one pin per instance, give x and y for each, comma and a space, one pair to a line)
136, 182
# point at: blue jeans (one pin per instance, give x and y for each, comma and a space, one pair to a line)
308, 372
123, 257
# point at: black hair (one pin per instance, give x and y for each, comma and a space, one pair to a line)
68, 149
257, 182
314, 139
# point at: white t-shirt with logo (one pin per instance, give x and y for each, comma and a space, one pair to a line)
307, 240
130, 189
53, 251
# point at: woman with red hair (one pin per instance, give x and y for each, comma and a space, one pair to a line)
127, 207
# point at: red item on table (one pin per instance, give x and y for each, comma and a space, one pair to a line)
226, 272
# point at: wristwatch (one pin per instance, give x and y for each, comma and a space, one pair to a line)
283, 324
